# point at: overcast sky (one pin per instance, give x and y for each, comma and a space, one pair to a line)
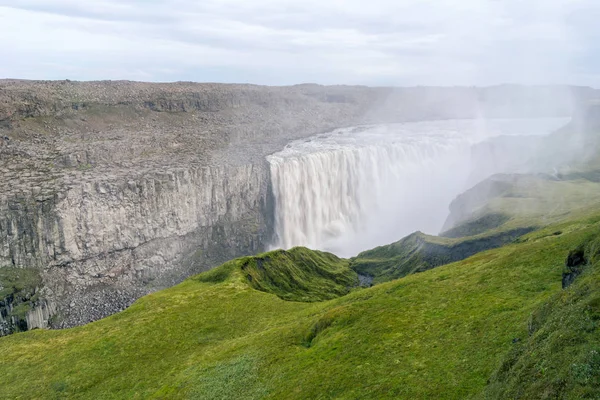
373, 42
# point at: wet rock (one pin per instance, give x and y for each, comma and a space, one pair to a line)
574, 265
365, 280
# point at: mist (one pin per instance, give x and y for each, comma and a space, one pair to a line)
360, 187
357, 188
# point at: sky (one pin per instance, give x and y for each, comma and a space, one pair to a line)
282, 42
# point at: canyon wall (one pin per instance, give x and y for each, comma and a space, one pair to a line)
135, 233
111, 190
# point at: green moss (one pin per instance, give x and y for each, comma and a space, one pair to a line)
18, 294
298, 274
84, 167
21, 309
19, 284
15, 280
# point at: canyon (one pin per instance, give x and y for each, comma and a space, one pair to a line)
113, 190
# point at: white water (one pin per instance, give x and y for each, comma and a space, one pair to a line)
358, 188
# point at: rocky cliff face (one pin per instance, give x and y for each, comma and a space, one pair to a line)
114, 189
135, 233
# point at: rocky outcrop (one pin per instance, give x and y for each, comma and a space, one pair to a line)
574, 265
580, 259
20, 316
21, 304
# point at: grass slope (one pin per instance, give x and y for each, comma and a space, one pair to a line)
438, 334
419, 252
507, 202
560, 358
478, 226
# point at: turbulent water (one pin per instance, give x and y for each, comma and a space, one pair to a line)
357, 188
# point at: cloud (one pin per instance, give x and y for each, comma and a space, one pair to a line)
381, 42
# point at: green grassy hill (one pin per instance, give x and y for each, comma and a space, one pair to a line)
443, 333
419, 252
299, 274
560, 357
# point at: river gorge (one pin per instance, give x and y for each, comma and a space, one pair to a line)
112, 190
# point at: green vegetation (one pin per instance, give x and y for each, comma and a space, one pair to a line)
17, 280
419, 252
299, 274
522, 201
560, 358
84, 167
478, 226
437, 334
18, 293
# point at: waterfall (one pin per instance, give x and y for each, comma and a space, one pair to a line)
357, 188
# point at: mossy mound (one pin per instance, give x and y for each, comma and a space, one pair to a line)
298, 274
